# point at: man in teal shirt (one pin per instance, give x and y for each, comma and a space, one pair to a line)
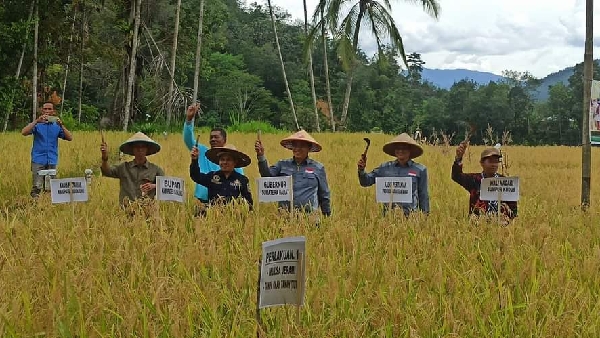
218, 138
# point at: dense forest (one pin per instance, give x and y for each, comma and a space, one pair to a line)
131, 64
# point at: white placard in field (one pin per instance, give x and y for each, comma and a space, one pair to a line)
394, 189
67, 190
282, 272
274, 189
170, 189
505, 188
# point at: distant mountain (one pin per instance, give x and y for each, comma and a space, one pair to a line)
445, 78
563, 76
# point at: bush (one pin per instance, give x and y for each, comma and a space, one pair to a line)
253, 127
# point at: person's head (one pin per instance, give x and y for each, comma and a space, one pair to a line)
227, 162
48, 109
404, 148
218, 137
301, 143
402, 151
139, 145
300, 150
228, 158
490, 161
140, 149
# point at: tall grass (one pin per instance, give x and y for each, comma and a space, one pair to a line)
88, 270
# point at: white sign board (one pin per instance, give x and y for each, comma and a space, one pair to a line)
503, 188
67, 190
282, 272
170, 189
274, 189
394, 189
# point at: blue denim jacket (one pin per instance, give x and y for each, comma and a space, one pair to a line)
310, 188
417, 171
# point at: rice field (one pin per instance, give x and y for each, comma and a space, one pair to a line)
88, 270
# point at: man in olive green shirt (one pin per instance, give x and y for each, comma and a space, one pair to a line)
137, 177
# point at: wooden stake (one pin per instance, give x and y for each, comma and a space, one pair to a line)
259, 327
299, 285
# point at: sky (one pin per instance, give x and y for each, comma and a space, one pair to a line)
539, 36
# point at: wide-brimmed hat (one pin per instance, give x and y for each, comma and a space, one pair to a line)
241, 159
403, 139
489, 152
301, 136
139, 137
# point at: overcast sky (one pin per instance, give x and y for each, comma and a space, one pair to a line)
539, 36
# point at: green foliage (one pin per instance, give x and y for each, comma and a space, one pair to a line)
240, 78
253, 127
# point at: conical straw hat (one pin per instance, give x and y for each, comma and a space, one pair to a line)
415, 149
301, 136
241, 159
139, 137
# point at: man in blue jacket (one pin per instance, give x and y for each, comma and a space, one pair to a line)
46, 131
218, 138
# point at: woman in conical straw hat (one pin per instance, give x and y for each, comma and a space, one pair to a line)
224, 184
310, 188
138, 176
404, 148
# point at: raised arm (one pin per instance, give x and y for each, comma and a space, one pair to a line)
106, 169
188, 127
28, 129
263, 165
64, 133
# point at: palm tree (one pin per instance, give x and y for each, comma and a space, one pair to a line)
376, 15
285, 80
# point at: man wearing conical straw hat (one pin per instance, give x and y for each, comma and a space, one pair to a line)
137, 177
224, 184
310, 187
404, 148
218, 138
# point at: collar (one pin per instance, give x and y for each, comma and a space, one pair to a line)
301, 163
483, 175
132, 164
408, 164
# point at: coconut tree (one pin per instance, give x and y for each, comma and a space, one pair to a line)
346, 18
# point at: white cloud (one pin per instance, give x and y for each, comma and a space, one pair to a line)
540, 36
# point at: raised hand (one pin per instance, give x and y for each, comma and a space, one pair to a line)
260, 150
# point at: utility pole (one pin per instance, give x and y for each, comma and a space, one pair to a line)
586, 147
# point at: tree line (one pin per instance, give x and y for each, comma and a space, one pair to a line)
126, 64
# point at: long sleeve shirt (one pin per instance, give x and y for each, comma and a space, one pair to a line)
472, 183
310, 187
205, 166
420, 184
221, 187
131, 176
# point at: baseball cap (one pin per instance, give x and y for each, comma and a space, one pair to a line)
489, 152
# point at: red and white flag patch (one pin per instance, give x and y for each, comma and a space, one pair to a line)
309, 170
412, 173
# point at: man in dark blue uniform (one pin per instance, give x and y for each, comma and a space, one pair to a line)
225, 184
